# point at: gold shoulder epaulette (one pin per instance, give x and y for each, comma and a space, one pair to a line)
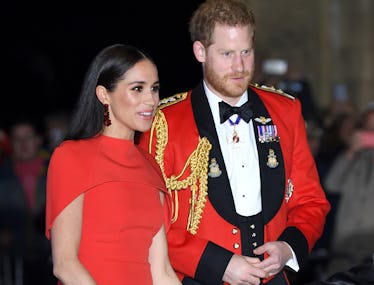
273, 89
172, 100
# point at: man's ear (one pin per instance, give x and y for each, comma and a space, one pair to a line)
199, 51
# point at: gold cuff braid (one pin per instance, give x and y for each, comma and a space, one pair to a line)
197, 162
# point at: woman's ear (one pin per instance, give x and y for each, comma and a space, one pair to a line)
199, 51
101, 94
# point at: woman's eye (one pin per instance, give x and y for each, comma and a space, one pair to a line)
138, 88
156, 88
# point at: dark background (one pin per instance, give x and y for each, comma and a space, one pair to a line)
47, 49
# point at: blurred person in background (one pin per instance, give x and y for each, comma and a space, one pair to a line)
352, 176
56, 127
340, 103
22, 204
295, 82
315, 134
5, 147
336, 139
359, 274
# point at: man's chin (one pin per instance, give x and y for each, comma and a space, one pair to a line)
237, 91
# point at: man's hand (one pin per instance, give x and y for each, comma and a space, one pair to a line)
278, 252
244, 270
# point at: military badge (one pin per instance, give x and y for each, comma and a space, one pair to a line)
262, 120
272, 159
289, 190
214, 170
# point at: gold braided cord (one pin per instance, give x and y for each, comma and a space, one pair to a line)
197, 162
159, 116
151, 136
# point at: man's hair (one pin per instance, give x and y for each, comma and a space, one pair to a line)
224, 12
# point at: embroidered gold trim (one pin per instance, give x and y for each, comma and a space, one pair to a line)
172, 100
197, 162
273, 89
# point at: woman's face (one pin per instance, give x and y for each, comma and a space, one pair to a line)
133, 103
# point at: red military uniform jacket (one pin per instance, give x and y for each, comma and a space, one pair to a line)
205, 233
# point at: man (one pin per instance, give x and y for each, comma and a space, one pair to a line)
247, 197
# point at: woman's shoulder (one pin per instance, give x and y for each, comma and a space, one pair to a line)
74, 150
152, 166
148, 158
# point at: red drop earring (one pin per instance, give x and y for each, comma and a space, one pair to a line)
107, 121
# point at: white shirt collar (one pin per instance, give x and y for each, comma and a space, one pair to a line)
213, 100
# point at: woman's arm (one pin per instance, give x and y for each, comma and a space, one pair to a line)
161, 269
65, 239
162, 272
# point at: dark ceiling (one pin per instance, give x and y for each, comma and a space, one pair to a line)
47, 50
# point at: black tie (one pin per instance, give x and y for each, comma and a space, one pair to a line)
226, 111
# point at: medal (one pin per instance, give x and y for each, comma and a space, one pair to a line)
235, 136
267, 133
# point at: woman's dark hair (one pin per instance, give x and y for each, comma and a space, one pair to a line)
106, 69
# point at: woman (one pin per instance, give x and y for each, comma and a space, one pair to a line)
104, 194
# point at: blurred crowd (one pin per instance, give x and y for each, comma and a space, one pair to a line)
341, 137
25, 149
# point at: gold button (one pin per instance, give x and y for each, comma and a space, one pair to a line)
236, 245
234, 231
